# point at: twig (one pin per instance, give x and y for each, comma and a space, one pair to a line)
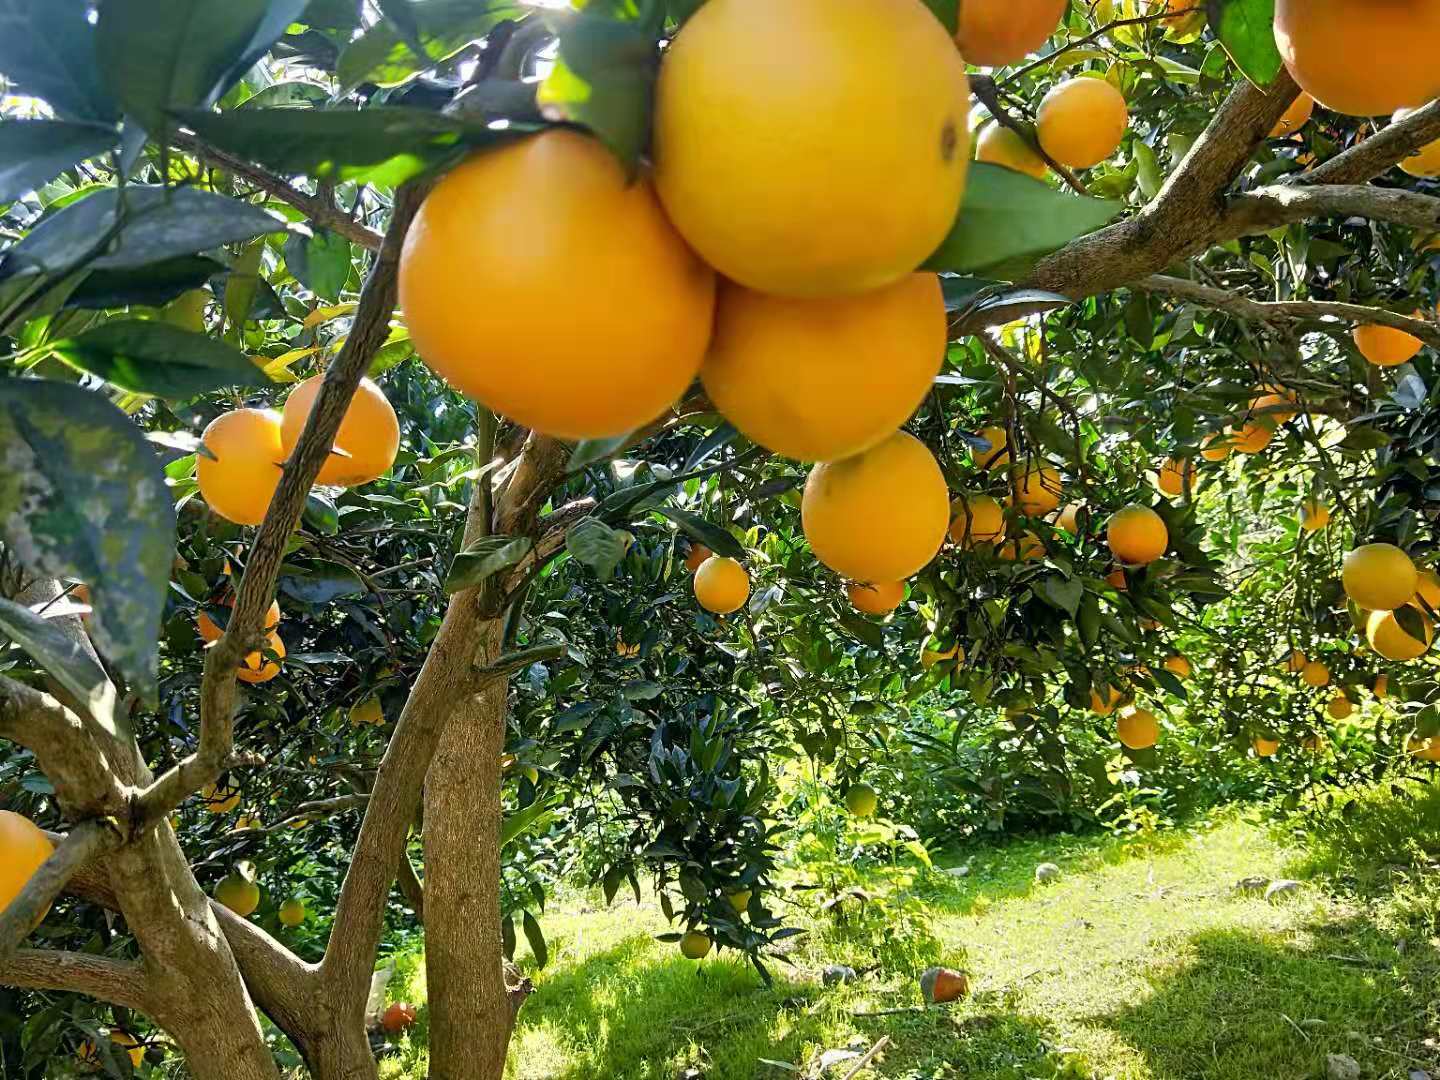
984, 89
867, 1057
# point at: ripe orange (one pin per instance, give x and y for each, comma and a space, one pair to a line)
1296, 117
697, 556
1024, 547
819, 380
1081, 121
397, 1018
1340, 707
1117, 580
220, 800
1379, 577
998, 32
503, 239
1274, 405
1384, 346
1068, 519
878, 599
239, 894
1314, 515
242, 479
1178, 666
256, 668
999, 145
1138, 729
1296, 662
1315, 674
1188, 20
694, 945
133, 1047
1388, 638
1265, 747
1254, 436
1381, 689
1137, 535
210, 631
1037, 489
879, 516
721, 585
369, 433
766, 150
1104, 706
369, 711
1426, 160
24, 847
1428, 589
999, 452
1322, 42
1313, 743
979, 519
1425, 749
1217, 446
1175, 476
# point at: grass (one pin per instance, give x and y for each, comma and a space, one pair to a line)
1141, 963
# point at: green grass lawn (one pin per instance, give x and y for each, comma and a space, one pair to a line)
1141, 963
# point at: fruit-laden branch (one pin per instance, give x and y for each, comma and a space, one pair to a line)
85, 842
984, 89
316, 208
1372, 157
118, 982
1288, 310
1266, 208
219, 690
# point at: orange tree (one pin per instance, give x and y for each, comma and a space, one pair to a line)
673, 254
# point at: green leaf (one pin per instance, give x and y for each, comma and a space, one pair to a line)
1063, 594
383, 145
321, 514
322, 583
603, 79
241, 287
862, 629
152, 285
589, 452
321, 262
948, 12
522, 820
83, 495
160, 359
47, 49
63, 660
1008, 218
34, 152
1246, 28
711, 535
441, 28
536, 938
487, 556
597, 545
188, 58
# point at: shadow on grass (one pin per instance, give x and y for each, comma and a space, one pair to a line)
1242, 1005
1385, 833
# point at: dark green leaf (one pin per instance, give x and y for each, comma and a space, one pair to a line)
507, 937
34, 152
321, 514
1064, 594
1246, 28
160, 359
697, 528
1008, 218
536, 938
597, 545
238, 296
382, 145
63, 659
948, 12
641, 690
862, 629
712, 444
321, 262
322, 583
287, 95
589, 452
152, 285
440, 28
47, 49
604, 80
487, 556
83, 496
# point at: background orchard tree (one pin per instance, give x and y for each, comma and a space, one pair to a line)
493, 674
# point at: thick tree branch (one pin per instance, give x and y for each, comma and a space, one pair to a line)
318, 210
1266, 208
1288, 310
1377, 153
219, 692
411, 887
119, 982
85, 842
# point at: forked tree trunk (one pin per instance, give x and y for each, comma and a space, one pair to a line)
470, 1013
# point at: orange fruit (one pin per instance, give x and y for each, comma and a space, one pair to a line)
1362, 57
1315, 674
1137, 535
503, 239
1384, 346
819, 380
694, 945
1138, 729
1296, 116
998, 454
369, 711
1425, 749
1217, 446
210, 631
1388, 638
1116, 580
133, 1047
220, 800
1274, 406
1314, 515
1426, 160
697, 556
240, 895
24, 847
1265, 747
1253, 437
878, 599
1296, 662
721, 585
1068, 518
878, 516
1340, 707
1381, 689
1037, 489
292, 913
256, 668
998, 32
369, 433
979, 519
1313, 743
1428, 589
241, 480
1081, 121
1178, 666
766, 150
1104, 706
1188, 20
999, 145
1024, 547
1175, 476
1379, 577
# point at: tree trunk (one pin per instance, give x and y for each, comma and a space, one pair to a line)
470, 1012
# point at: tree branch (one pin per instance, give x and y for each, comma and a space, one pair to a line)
318, 210
219, 692
1379, 152
1266, 208
119, 982
85, 842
